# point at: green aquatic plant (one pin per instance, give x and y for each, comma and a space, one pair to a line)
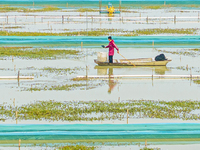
22, 9
103, 32
156, 6
64, 87
102, 110
146, 148
87, 10
196, 81
181, 52
36, 53
63, 70
77, 147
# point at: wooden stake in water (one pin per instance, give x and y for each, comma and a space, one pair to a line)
147, 19
67, 5
12, 58
14, 102
127, 116
19, 143
81, 45
18, 75
86, 72
174, 19
62, 19
164, 3
34, 19
153, 44
120, 5
145, 142
16, 116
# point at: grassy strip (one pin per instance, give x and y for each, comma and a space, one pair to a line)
24, 52
104, 32
77, 147
146, 148
96, 140
89, 111
167, 6
21, 9
157, 6
87, 10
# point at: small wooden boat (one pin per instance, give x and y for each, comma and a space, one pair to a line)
136, 62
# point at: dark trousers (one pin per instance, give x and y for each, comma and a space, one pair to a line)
110, 59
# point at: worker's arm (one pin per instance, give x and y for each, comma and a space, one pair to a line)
106, 46
115, 46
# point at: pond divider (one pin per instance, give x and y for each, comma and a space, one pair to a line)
140, 76
146, 131
16, 77
33, 19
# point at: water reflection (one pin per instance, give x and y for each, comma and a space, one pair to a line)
110, 16
108, 70
111, 83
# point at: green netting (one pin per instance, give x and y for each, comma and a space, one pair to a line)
103, 131
140, 41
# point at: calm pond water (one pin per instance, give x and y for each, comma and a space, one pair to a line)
157, 89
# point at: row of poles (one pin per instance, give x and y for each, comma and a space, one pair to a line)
121, 19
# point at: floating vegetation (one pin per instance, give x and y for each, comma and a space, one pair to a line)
77, 147
167, 30
87, 10
13, 27
156, 6
61, 71
22, 9
181, 52
64, 87
37, 53
146, 148
102, 110
196, 81
103, 32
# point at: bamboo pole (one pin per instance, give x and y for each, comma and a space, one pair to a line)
19, 143
16, 116
62, 19
153, 44
127, 116
174, 19
127, 59
14, 102
145, 142
81, 45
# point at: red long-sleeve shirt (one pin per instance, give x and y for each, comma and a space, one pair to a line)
111, 47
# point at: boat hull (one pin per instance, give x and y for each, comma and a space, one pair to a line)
131, 62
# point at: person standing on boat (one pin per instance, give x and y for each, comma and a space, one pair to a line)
111, 47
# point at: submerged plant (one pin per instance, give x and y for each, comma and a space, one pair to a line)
102, 110
36, 53
77, 147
